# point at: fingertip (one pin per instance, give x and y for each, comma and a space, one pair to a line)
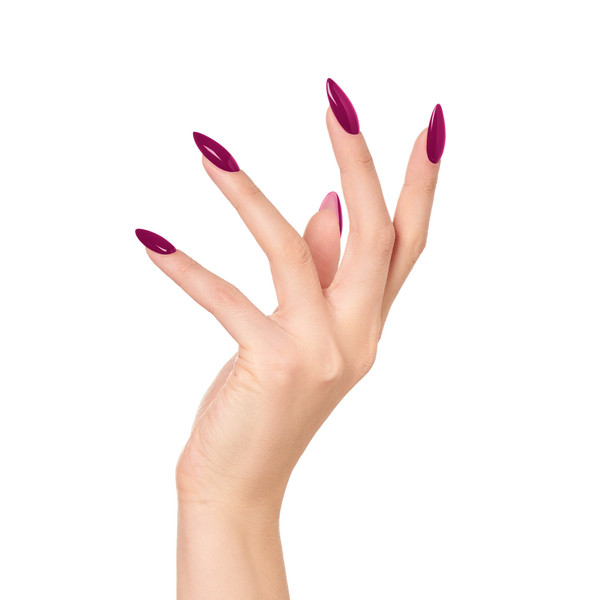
420, 169
332, 202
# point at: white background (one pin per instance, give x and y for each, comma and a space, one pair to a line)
466, 464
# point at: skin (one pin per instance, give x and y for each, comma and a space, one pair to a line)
292, 367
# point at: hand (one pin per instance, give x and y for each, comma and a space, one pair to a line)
294, 366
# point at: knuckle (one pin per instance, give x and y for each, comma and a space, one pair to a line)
365, 357
365, 161
292, 364
387, 238
381, 242
417, 246
426, 186
316, 361
285, 367
330, 366
185, 271
297, 250
252, 190
365, 360
382, 237
222, 294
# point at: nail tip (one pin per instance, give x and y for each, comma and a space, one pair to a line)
330, 201
325, 202
215, 153
198, 140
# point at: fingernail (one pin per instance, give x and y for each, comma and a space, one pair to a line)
154, 241
342, 107
332, 202
215, 153
436, 135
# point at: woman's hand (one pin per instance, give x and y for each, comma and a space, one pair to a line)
294, 366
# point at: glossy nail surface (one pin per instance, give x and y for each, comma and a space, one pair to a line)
215, 153
436, 135
342, 107
332, 202
154, 242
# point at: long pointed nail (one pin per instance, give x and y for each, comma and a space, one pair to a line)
332, 202
154, 242
436, 135
342, 107
215, 153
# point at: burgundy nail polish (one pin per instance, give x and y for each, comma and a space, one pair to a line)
436, 135
154, 241
332, 202
215, 153
342, 107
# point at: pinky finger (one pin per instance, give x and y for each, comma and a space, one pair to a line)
238, 315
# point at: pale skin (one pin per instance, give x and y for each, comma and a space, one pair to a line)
292, 367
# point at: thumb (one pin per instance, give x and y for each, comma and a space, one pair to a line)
322, 234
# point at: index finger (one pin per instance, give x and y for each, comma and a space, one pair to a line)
294, 274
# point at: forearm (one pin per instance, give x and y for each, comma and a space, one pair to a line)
224, 554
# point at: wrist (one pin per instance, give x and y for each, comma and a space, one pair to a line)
226, 550
241, 515
228, 499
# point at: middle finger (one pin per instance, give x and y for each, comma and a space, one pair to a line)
362, 275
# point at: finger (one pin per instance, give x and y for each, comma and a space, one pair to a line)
322, 234
413, 210
294, 274
362, 275
240, 317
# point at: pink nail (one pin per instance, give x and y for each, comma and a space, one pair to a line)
155, 242
342, 107
436, 135
332, 202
